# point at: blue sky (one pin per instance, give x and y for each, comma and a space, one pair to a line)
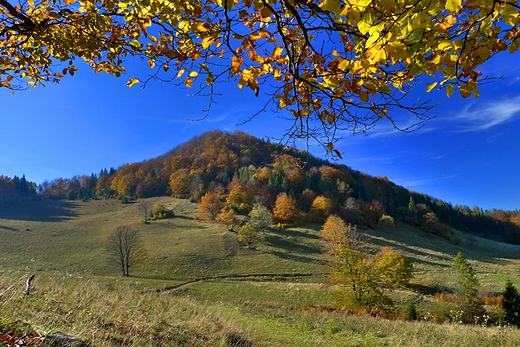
467, 155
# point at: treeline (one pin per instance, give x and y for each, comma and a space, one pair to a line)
16, 189
248, 170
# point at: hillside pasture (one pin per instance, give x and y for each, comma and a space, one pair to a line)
199, 284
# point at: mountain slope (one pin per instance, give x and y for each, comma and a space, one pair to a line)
249, 169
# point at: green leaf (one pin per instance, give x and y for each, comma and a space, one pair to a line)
210, 79
385, 89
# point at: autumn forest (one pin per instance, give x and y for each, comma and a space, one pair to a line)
234, 171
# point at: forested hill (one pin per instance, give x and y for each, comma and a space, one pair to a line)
245, 170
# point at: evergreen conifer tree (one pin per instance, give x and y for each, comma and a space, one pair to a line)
511, 304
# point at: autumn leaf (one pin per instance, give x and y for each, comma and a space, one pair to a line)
430, 87
453, 6
132, 81
277, 52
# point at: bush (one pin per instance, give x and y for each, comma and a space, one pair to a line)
249, 235
411, 311
387, 221
159, 211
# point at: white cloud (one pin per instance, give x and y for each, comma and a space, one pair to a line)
414, 182
489, 115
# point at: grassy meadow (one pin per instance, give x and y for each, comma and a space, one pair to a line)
273, 296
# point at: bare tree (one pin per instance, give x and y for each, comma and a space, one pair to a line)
145, 207
125, 248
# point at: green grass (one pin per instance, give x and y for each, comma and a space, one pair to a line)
79, 292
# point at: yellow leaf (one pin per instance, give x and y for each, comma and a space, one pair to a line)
305, 112
445, 45
377, 54
194, 74
180, 73
252, 83
207, 41
188, 82
333, 6
344, 64
142, 26
132, 81
277, 51
430, 87
242, 83
362, 4
453, 6
330, 146
481, 54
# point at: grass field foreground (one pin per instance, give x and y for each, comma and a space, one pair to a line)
78, 292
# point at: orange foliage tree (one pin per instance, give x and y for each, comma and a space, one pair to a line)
363, 278
321, 208
285, 210
211, 203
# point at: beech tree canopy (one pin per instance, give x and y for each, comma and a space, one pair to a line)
332, 64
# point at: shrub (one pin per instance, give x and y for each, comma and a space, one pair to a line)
159, 211
249, 235
411, 311
387, 221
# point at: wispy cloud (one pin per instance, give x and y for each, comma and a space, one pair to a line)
414, 182
488, 115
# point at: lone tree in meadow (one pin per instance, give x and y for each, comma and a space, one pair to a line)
125, 248
249, 235
261, 218
467, 283
511, 304
363, 278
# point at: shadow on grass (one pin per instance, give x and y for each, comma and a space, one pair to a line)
8, 228
290, 248
430, 290
292, 245
294, 257
295, 233
445, 248
40, 211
